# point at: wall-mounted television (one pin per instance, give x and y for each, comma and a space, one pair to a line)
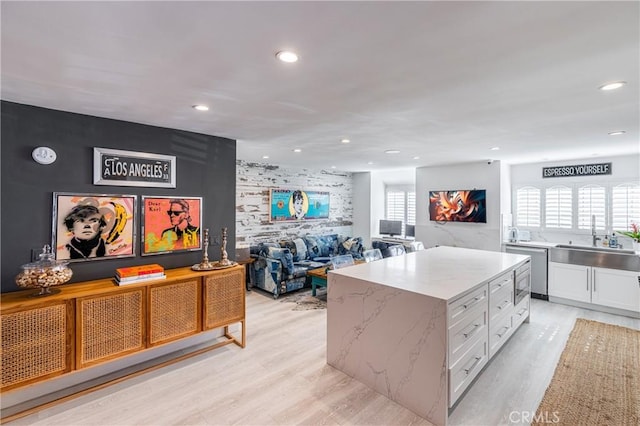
390, 227
410, 231
458, 206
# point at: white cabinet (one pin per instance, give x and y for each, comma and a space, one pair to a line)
570, 281
615, 288
607, 287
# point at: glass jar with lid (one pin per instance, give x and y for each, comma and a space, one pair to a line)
44, 273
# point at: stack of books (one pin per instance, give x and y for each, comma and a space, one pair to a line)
137, 274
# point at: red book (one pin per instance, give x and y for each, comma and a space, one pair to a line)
136, 271
140, 278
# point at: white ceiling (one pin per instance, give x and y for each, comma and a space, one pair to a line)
445, 81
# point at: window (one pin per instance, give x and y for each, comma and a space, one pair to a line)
591, 201
571, 207
411, 208
401, 205
558, 209
528, 207
625, 206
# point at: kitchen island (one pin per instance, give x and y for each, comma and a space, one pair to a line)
418, 328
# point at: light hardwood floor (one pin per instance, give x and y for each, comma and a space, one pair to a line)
281, 378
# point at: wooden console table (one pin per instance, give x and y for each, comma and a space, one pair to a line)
94, 322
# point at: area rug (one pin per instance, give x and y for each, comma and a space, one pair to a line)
304, 301
597, 380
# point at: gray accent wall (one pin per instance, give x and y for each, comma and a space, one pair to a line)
206, 167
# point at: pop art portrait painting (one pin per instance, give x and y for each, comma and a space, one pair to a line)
298, 204
171, 224
93, 226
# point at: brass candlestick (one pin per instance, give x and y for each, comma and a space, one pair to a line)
205, 265
224, 260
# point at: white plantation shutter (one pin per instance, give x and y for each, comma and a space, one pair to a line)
558, 210
411, 208
625, 206
591, 201
528, 206
395, 205
401, 205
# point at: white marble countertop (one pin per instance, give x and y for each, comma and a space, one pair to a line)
439, 272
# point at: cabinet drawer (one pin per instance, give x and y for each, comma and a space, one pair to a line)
521, 312
501, 302
458, 308
463, 372
499, 333
503, 280
463, 334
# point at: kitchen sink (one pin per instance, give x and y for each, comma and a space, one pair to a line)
601, 257
600, 249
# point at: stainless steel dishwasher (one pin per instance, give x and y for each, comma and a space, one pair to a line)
539, 259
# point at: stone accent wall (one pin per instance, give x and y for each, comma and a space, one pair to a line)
253, 182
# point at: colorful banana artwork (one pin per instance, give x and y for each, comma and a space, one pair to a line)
93, 227
120, 222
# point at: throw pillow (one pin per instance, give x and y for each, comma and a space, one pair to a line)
301, 249
263, 248
313, 250
329, 244
292, 247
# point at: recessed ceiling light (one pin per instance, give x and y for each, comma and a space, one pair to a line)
287, 56
495, 148
612, 85
333, 167
370, 162
297, 150
416, 158
617, 132
345, 141
392, 151
201, 107
265, 156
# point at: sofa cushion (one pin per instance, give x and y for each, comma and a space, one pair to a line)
284, 255
301, 249
299, 271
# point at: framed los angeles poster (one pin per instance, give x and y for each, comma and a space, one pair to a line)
298, 204
171, 224
93, 226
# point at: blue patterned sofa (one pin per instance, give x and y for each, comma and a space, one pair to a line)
281, 267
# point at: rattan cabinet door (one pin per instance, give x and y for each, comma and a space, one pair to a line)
174, 311
109, 326
37, 344
224, 300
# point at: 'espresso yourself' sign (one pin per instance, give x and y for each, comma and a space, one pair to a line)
130, 168
577, 170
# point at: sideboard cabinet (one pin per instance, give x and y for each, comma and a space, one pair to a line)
98, 321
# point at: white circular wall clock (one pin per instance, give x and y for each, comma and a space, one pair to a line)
44, 155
